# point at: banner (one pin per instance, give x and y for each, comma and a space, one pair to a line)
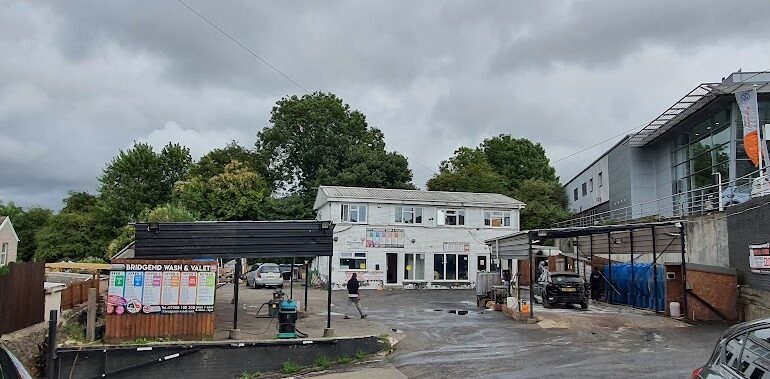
759, 258
747, 102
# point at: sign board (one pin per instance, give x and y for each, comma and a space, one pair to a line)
385, 238
759, 258
461, 247
162, 288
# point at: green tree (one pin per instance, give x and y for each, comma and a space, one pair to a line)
164, 213
546, 203
215, 161
318, 140
238, 193
467, 171
26, 223
517, 159
71, 235
139, 178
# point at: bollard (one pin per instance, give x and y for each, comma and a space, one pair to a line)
50, 359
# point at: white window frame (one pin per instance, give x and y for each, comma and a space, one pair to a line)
414, 262
401, 211
347, 209
355, 255
443, 213
489, 215
4, 254
457, 267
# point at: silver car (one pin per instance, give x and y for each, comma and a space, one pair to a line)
266, 275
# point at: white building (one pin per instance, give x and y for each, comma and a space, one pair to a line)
392, 237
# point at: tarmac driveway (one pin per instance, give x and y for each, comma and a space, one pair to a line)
448, 336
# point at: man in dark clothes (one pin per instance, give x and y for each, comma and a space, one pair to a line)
596, 283
353, 297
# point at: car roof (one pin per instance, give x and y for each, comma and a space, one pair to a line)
564, 273
269, 264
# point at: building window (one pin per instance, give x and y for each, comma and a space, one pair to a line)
4, 254
409, 215
353, 213
414, 266
591, 185
450, 217
600, 179
585, 189
576, 194
497, 218
352, 261
450, 266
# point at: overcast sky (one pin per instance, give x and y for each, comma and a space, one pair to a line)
81, 80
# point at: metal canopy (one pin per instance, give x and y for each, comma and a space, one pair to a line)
590, 230
233, 239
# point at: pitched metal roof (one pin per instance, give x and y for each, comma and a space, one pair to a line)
327, 193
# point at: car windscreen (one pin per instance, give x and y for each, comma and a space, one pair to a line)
269, 269
566, 279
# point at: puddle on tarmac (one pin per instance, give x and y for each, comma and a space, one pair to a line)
458, 312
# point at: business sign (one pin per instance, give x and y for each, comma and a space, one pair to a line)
385, 238
759, 258
162, 288
457, 247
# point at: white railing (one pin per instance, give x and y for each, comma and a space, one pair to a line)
697, 201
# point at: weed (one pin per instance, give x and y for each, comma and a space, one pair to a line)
245, 375
73, 330
323, 361
343, 360
386, 345
290, 367
359, 355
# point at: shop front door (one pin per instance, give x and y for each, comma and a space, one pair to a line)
392, 269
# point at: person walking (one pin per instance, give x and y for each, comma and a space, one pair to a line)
353, 297
596, 284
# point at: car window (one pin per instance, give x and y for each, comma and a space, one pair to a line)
269, 269
755, 356
565, 279
733, 351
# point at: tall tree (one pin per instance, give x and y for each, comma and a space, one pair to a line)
517, 159
74, 233
214, 162
139, 178
162, 213
317, 139
467, 171
238, 193
546, 203
26, 223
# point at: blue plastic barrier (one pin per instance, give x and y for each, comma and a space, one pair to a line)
643, 295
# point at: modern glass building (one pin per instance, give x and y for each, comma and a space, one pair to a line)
679, 162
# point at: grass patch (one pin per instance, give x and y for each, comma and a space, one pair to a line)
323, 361
73, 330
386, 345
343, 360
360, 355
290, 367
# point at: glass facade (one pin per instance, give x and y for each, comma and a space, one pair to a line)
704, 149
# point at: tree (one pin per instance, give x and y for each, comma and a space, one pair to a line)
517, 159
215, 161
139, 178
238, 193
546, 203
318, 140
163, 213
26, 223
467, 171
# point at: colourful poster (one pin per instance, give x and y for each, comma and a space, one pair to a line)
189, 288
116, 285
133, 287
153, 280
169, 294
207, 285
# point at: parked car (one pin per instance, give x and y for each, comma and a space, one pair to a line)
561, 287
742, 352
266, 275
10, 367
286, 271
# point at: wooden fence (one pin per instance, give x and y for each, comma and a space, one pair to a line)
77, 293
178, 326
22, 296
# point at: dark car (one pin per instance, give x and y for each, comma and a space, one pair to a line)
286, 271
561, 287
10, 367
742, 352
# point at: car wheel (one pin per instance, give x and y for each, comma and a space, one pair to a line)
584, 305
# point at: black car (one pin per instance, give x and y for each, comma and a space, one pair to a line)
562, 287
742, 352
10, 367
286, 271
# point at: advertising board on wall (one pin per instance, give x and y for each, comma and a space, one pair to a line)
385, 237
162, 288
759, 258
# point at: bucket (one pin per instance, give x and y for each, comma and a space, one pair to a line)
524, 308
674, 309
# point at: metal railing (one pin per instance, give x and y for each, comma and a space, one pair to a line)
697, 201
